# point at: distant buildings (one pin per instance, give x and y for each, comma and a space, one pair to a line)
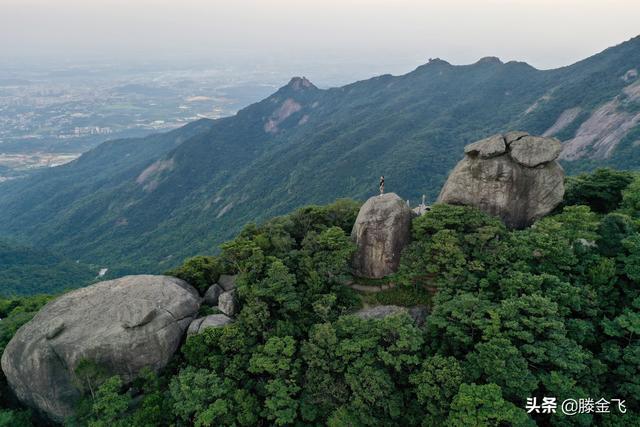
91, 130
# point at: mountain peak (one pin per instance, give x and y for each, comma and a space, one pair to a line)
300, 83
433, 64
489, 60
437, 61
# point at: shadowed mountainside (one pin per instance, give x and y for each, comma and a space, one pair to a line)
142, 205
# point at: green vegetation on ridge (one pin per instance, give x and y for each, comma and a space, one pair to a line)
551, 310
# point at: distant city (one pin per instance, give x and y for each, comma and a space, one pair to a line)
48, 118
51, 114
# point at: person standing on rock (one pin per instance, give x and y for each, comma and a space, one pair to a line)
382, 185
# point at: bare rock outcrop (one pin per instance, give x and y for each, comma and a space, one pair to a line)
514, 176
227, 282
228, 303
212, 294
532, 151
487, 148
122, 325
382, 229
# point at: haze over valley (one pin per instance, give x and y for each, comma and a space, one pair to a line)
323, 212
50, 116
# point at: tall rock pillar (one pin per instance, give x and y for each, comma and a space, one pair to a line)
382, 229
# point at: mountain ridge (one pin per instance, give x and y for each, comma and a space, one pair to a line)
184, 192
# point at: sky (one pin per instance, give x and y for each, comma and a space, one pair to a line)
390, 35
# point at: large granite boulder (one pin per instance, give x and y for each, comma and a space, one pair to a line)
121, 325
382, 229
487, 148
532, 151
514, 176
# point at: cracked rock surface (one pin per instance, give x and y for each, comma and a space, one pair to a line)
123, 325
514, 176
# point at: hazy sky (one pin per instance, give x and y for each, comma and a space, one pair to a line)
394, 34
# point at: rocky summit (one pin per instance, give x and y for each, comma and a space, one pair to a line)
382, 229
514, 176
120, 325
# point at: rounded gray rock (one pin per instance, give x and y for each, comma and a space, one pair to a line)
514, 135
122, 325
381, 231
487, 148
227, 282
227, 303
532, 151
211, 321
212, 295
506, 188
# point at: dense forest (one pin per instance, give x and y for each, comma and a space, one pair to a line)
25, 270
548, 311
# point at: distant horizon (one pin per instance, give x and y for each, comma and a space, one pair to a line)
354, 70
239, 56
380, 35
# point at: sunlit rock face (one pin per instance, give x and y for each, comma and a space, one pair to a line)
514, 176
382, 229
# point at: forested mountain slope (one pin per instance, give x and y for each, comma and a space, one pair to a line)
509, 318
143, 205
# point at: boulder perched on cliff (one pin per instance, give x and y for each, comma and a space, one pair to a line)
532, 151
121, 325
514, 176
382, 229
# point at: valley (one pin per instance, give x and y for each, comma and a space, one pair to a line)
344, 214
143, 204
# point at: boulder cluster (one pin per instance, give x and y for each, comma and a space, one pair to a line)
221, 295
514, 176
120, 325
